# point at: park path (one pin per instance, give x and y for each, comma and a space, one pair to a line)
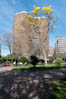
28, 85
48, 74
4, 68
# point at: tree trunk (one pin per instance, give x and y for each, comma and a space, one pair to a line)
11, 58
45, 57
44, 52
42, 45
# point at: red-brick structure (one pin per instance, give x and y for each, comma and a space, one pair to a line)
26, 41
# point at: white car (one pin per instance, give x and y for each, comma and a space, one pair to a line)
14, 63
20, 63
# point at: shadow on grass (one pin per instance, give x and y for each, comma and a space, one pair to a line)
59, 89
28, 85
24, 85
41, 68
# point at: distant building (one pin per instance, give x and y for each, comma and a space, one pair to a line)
26, 41
60, 46
51, 51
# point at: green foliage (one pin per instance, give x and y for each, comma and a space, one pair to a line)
39, 67
5, 59
1, 59
51, 59
58, 61
59, 89
34, 60
24, 59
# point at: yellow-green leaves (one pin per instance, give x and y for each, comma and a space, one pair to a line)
29, 22
35, 10
21, 19
47, 10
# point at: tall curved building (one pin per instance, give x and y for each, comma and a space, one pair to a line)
28, 36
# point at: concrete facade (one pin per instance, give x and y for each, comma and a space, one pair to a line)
51, 51
60, 45
26, 40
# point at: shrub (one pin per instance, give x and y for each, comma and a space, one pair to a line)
58, 61
50, 59
24, 60
34, 60
1, 59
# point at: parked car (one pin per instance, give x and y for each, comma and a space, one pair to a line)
20, 63
14, 63
6, 64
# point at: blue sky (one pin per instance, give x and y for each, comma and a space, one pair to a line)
8, 8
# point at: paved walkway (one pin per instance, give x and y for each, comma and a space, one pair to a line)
4, 69
28, 85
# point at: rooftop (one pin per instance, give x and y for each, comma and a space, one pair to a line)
21, 12
27, 12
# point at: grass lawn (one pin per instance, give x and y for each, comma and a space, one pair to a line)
38, 67
59, 89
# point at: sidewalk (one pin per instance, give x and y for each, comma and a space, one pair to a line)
5, 68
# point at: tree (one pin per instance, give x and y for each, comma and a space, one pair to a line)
34, 60
34, 24
47, 11
8, 41
24, 60
62, 56
58, 62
